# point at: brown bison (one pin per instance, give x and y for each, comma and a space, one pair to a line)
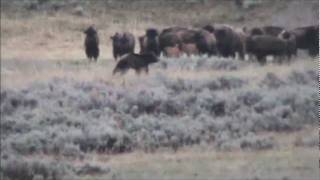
172, 51
204, 42
291, 41
149, 43
229, 41
122, 43
174, 36
266, 30
189, 49
137, 62
308, 39
91, 43
264, 45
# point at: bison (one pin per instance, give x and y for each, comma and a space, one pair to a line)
264, 45
149, 43
204, 41
91, 43
137, 62
291, 41
174, 51
308, 39
229, 41
122, 43
189, 49
266, 30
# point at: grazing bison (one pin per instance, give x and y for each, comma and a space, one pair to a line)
122, 43
136, 62
291, 41
308, 39
264, 45
91, 43
229, 42
266, 30
149, 43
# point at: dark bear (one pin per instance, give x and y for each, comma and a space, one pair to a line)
149, 43
122, 43
137, 62
291, 41
264, 45
308, 39
229, 42
91, 43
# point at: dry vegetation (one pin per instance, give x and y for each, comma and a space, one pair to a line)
198, 117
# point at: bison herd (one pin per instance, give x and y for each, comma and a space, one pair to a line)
213, 40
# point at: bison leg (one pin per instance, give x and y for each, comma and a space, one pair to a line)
313, 51
138, 71
261, 59
146, 69
241, 53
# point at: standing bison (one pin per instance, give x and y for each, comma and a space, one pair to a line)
229, 41
291, 42
91, 43
264, 45
122, 43
189, 41
308, 39
137, 62
266, 30
206, 42
149, 43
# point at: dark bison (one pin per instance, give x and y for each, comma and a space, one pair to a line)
137, 62
264, 45
229, 41
266, 30
149, 43
308, 39
91, 43
122, 43
204, 41
291, 41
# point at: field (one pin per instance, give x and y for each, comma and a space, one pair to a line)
189, 118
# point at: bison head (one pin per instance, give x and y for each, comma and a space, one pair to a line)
90, 31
